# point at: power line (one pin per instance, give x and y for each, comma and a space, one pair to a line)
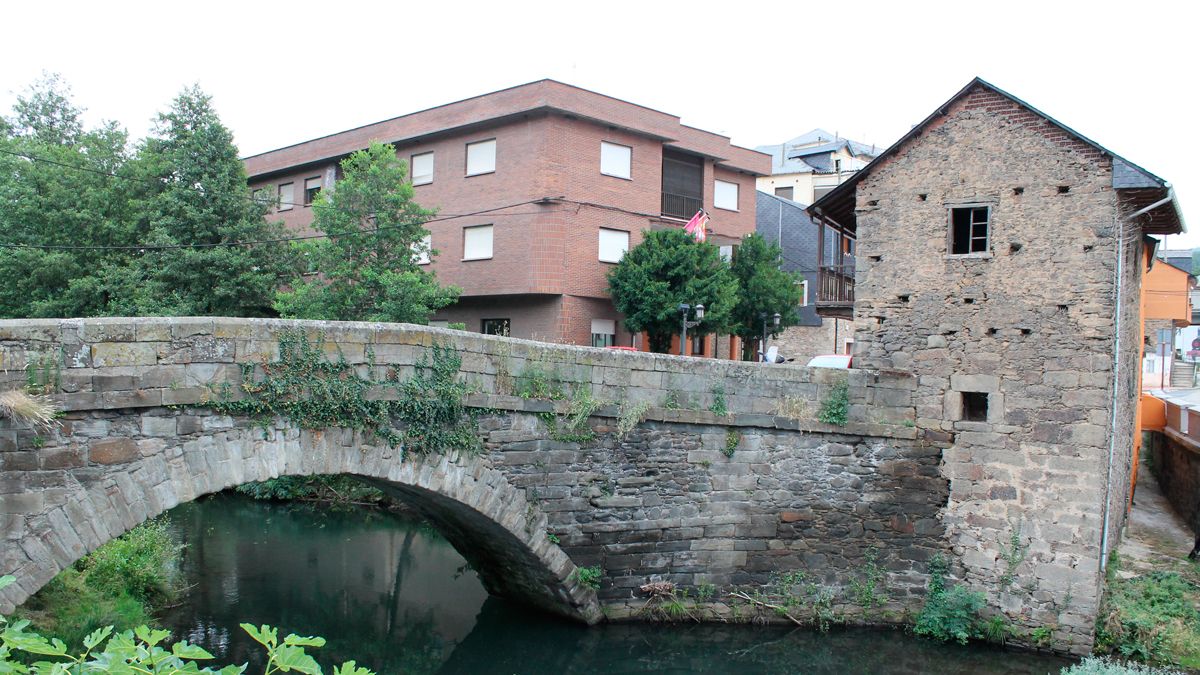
252, 242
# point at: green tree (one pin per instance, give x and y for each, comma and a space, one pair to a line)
763, 289
197, 200
668, 268
56, 191
367, 269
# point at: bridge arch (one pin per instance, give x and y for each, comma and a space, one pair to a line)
488, 520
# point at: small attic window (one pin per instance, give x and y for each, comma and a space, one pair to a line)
969, 229
1064, 189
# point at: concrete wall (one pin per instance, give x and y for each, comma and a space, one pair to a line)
1029, 325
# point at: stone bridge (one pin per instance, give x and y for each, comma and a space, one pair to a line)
727, 479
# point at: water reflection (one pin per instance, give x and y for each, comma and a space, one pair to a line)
393, 595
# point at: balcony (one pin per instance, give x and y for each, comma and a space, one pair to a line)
680, 206
835, 290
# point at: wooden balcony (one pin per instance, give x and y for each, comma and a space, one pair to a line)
835, 291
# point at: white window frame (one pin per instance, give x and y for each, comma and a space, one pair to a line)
616, 160
600, 243
719, 199
726, 253
606, 327
422, 249
477, 254
284, 203
421, 179
488, 163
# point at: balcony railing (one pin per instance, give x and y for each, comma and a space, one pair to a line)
835, 284
680, 206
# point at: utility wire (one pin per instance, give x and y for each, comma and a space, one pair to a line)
252, 242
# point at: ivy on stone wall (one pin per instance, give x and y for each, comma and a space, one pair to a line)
312, 391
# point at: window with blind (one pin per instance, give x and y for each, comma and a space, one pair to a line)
477, 242
604, 332
287, 195
615, 159
421, 249
613, 245
481, 157
725, 195
422, 168
682, 185
312, 188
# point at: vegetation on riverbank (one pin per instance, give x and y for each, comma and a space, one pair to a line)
121, 584
1152, 617
338, 490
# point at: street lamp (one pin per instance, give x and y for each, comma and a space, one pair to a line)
683, 312
764, 317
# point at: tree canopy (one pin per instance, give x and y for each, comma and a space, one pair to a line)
368, 268
763, 289
667, 269
154, 226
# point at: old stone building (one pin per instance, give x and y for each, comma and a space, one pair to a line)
999, 261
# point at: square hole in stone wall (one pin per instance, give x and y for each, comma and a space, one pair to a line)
974, 406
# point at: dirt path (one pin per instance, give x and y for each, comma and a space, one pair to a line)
1156, 538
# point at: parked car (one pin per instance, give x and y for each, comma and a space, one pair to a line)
842, 361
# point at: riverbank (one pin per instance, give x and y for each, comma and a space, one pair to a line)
1151, 608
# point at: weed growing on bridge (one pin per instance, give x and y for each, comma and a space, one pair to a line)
588, 576
573, 427
793, 597
836, 406
631, 415
35, 410
672, 402
313, 392
868, 591
949, 613
795, 407
1013, 555
719, 405
43, 373
732, 438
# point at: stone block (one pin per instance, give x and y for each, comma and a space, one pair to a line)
113, 451
980, 383
109, 354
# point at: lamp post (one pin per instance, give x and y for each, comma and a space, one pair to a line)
683, 313
764, 317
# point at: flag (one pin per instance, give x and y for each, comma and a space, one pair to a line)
695, 226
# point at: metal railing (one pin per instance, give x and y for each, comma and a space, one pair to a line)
835, 283
680, 206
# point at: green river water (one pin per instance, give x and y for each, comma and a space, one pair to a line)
390, 593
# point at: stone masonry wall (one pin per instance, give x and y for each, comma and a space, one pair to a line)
1028, 325
691, 496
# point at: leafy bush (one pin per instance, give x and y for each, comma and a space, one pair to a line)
140, 651
141, 563
949, 613
588, 576
339, 489
1099, 665
119, 584
1151, 618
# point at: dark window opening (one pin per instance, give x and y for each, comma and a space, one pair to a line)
1018, 191
785, 192
875, 258
902, 298
969, 230
496, 327
922, 196
312, 188
1014, 247
974, 406
682, 185
603, 340
698, 345
968, 301
1064, 189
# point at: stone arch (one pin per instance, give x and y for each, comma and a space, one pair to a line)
491, 523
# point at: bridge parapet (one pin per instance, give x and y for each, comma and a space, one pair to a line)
116, 363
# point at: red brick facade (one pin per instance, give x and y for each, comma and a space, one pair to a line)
547, 198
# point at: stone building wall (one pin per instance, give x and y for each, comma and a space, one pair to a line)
804, 342
1027, 327
1176, 465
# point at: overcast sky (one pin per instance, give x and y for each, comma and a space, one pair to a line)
1124, 74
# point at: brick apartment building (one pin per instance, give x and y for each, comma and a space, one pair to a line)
562, 181
999, 259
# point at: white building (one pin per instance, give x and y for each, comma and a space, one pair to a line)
812, 164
